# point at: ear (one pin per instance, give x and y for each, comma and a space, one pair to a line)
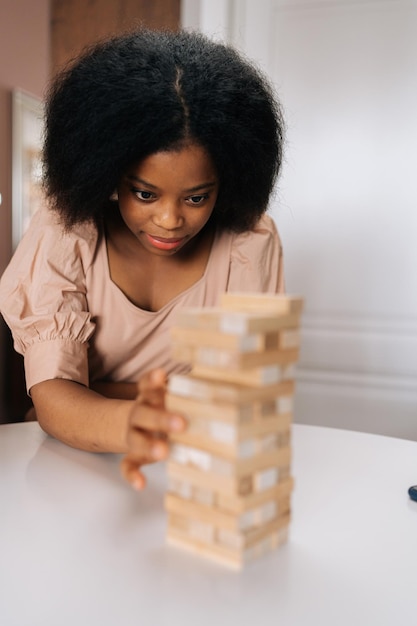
114, 196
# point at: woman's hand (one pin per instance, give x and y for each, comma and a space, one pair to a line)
149, 425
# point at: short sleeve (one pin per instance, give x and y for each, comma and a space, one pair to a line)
43, 299
257, 260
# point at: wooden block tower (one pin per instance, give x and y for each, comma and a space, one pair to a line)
229, 479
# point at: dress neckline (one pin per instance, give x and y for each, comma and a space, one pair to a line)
169, 305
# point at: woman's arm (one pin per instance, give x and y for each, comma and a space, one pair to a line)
81, 417
121, 391
84, 419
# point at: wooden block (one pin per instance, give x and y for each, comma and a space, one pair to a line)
229, 431
247, 416
277, 340
269, 543
214, 528
231, 486
236, 504
216, 391
184, 489
248, 448
253, 536
281, 304
271, 537
225, 557
187, 491
228, 445
217, 358
234, 322
207, 480
284, 404
207, 460
241, 540
282, 340
195, 529
267, 478
256, 377
197, 512
243, 523
180, 539
216, 339
222, 412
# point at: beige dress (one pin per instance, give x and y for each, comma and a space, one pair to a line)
70, 320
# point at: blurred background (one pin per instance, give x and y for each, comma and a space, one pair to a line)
345, 72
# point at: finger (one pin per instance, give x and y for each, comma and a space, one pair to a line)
146, 448
156, 420
131, 472
152, 387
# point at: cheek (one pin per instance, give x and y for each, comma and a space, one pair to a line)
130, 212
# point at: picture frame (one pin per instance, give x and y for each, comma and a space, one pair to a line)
27, 136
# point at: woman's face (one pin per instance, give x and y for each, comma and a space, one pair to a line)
167, 199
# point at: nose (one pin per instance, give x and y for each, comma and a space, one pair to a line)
168, 216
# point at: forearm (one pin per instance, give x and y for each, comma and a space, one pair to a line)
121, 391
80, 417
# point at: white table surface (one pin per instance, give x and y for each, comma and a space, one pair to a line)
79, 547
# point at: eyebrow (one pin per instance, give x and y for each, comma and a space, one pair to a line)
207, 185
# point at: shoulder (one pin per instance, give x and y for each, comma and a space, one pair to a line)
48, 253
48, 222
47, 239
256, 259
260, 242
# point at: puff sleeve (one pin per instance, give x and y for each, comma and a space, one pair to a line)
44, 302
257, 260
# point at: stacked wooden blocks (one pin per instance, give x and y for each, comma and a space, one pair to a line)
229, 479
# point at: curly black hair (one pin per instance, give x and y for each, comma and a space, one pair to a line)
148, 91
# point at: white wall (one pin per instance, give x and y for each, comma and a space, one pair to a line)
345, 71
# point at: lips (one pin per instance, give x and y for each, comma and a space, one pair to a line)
164, 244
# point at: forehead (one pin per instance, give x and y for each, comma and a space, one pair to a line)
186, 167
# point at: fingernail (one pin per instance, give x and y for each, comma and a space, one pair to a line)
176, 423
137, 484
158, 451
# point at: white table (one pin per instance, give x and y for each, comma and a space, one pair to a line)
79, 547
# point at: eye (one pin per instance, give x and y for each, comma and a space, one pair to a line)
197, 200
145, 196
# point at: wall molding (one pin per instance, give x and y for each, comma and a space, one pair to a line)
357, 351
296, 5
358, 371
360, 323
381, 410
376, 381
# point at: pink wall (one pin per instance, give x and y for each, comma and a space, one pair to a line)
24, 44
24, 64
